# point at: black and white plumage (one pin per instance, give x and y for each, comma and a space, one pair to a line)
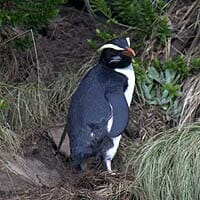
98, 112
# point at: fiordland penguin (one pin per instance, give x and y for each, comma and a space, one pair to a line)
98, 111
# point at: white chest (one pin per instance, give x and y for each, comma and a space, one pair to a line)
129, 73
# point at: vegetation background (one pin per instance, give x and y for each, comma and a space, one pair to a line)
47, 46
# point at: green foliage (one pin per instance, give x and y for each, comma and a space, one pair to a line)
101, 5
160, 88
163, 30
179, 64
105, 34
3, 104
23, 43
143, 16
161, 83
92, 43
195, 64
31, 14
139, 14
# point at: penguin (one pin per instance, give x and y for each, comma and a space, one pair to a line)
99, 108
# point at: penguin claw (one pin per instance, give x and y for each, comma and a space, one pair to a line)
112, 173
84, 165
109, 168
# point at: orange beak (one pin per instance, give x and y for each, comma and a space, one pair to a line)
129, 52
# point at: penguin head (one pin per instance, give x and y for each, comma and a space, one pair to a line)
116, 53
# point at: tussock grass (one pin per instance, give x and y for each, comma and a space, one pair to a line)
168, 167
26, 104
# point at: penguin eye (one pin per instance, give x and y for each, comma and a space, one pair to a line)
113, 52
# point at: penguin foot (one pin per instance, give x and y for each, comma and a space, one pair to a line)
84, 165
108, 166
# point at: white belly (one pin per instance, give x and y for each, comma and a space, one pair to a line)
129, 73
110, 153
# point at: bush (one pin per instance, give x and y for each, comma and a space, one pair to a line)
31, 14
159, 83
143, 16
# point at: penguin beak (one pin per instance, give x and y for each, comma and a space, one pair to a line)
129, 52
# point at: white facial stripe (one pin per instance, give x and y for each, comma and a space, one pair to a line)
111, 46
128, 41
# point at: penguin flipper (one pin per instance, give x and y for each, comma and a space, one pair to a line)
120, 112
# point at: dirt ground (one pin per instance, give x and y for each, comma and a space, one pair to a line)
68, 36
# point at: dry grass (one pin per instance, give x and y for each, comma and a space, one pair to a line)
190, 100
9, 140
33, 93
88, 186
16, 64
105, 185
183, 21
149, 119
25, 105
62, 88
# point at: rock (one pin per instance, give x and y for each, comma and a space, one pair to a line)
31, 171
55, 134
10, 182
